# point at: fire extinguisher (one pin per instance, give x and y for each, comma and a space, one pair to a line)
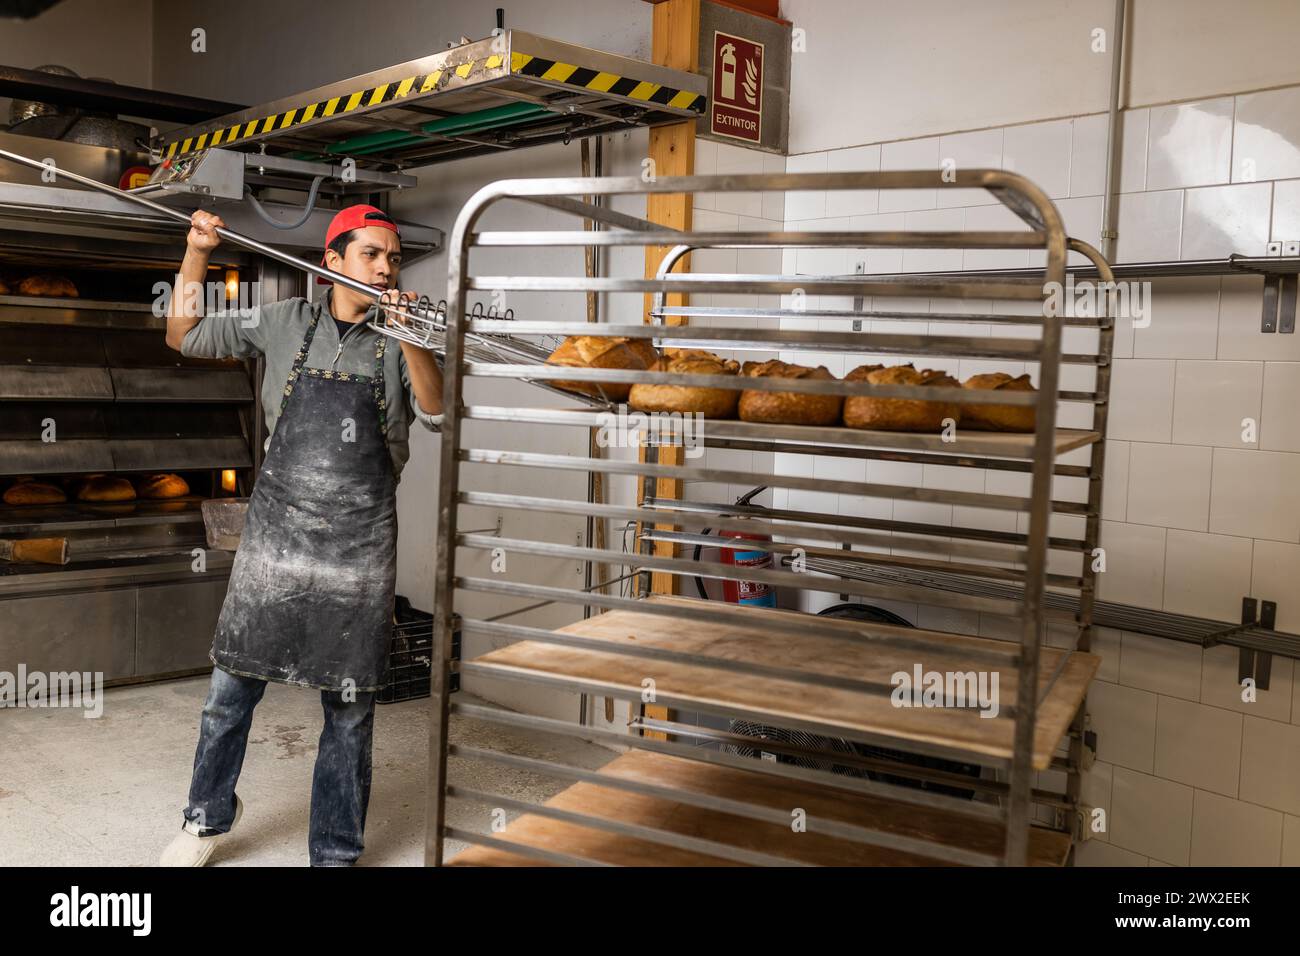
753, 593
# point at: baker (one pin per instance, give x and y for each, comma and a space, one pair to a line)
310, 599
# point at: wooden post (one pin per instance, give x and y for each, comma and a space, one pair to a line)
676, 44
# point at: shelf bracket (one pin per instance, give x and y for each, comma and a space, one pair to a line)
1279, 304
1257, 665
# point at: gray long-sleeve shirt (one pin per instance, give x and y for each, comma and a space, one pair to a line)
276, 331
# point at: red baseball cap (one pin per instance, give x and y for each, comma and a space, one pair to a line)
357, 217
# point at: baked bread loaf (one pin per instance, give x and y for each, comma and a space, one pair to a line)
789, 408
161, 486
105, 488
999, 418
28, 491
48, 285
899, 414
708, 401
598, 351
4, 287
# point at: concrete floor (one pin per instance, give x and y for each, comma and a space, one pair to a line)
109, 791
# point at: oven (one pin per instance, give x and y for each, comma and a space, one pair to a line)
89, 387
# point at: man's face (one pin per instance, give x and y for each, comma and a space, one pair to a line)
374, 256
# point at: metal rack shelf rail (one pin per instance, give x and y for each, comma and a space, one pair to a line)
1020, 557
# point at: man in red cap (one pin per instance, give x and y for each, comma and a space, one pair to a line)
310, 599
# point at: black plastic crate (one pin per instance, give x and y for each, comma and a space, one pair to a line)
410, 655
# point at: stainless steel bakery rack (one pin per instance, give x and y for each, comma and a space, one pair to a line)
666, 799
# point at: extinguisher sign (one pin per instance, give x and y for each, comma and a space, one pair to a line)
737, 106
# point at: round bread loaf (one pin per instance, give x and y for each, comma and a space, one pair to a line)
47, 285
708, 401
161, 486
30, 492
106, 488
789, 408
899, 414
598, 351
999, 418
4, 288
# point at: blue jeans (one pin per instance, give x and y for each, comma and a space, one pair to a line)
340, 789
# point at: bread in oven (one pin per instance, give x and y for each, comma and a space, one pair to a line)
48, 285
28, 491
105, 488
161, 486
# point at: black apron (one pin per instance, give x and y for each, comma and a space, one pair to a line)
310, 600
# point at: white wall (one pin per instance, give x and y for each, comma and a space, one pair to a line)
1194, 517
118, 47
883, 71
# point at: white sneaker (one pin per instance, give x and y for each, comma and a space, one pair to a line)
187, 849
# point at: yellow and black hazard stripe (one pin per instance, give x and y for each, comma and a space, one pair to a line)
335, 106
601, 82
520, 63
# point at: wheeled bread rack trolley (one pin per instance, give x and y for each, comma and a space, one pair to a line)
1024, 524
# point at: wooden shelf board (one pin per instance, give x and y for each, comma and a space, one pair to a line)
791, 703
1046, 847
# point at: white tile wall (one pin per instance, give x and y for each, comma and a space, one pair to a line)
1135, 564
1156, 500
909, 154
1114, 486
1239, 319
1040, 152
1142, 400
1190, 144
855, 202
1291, 841
1151, 816
1286, 210
1219, 221
1270, 764
1279, 422
1198, 745
1266, 136
980, 149
1183, 320
1219, 685
1217, 403
1229, 832
1150, 226
1275, 572
1125, 721
806, 204
1254, 494
1159, 665
1206, 575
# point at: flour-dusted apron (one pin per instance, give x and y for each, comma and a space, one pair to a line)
310, 600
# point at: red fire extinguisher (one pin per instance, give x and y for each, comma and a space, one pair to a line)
747, 592
754, 593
